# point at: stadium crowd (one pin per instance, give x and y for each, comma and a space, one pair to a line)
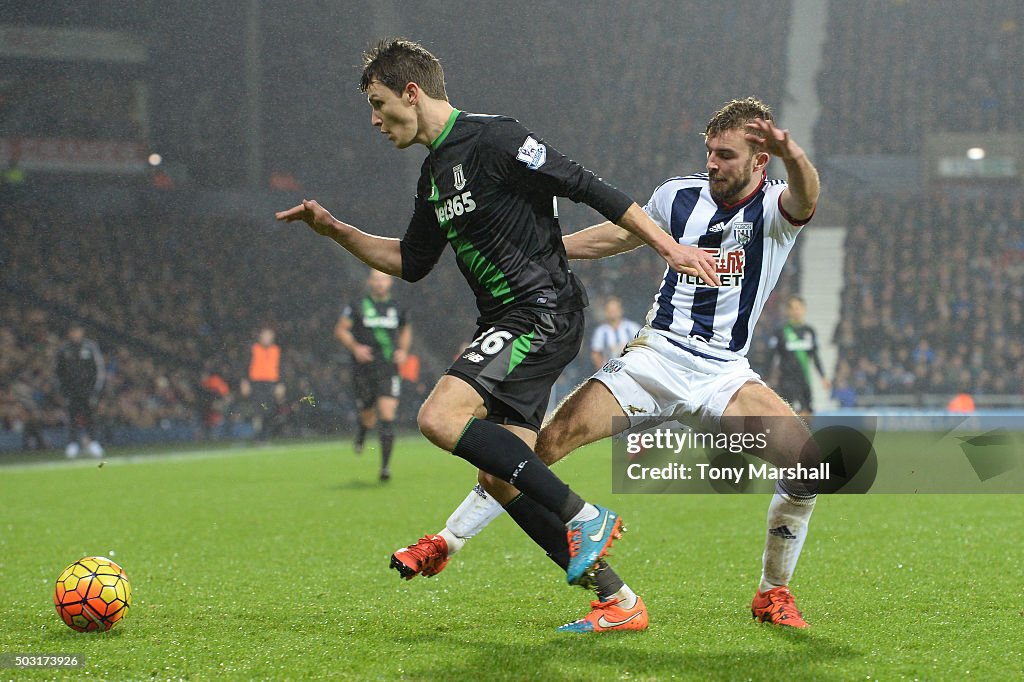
174, 299
882, 87
185, 303
168, 311
934, 290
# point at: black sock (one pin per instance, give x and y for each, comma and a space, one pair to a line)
571, 507
387, 441
548, 531
361, 434
503, 454
543, 527
608, 581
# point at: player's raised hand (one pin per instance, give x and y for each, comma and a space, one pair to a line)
311, 213
776, 141
695, 262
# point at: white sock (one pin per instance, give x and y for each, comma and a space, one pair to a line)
469, 518
588, 512
455, 543
626, 597
787, 530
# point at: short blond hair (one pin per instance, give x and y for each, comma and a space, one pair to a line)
737, 113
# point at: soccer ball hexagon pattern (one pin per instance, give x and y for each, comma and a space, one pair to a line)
92, 595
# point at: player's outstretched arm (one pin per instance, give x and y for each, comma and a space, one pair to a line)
801, 197
380, 253
634, 229
688, 260
599, 241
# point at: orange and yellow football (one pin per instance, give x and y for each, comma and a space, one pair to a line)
92, 595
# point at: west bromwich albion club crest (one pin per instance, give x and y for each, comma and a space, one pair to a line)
743, 232
460, 177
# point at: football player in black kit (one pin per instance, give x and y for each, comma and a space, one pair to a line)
796, 349
81, 372
487, 187
377, 333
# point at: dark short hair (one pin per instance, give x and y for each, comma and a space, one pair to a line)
737, 113
396, 62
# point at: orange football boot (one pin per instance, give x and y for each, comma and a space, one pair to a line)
427, 557
776, 606
607, 616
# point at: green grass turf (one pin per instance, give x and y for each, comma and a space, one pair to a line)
272, 563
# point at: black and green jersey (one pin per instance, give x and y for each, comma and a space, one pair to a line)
487, 187
376, 324
796, 347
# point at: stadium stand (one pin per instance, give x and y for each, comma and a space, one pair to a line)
188, 295
882, 86
171, 293
932, 276
167, 293
962, 262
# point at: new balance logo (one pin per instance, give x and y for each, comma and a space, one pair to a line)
473, 357
782, 532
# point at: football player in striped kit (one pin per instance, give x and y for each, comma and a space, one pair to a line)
689, 360
612, 335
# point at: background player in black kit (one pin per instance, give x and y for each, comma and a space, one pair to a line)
81, 372
796, 348
377, 333
487, 188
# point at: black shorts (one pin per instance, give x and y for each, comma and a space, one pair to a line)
80, 410
374, 380
797, 394
263, 399
514, 362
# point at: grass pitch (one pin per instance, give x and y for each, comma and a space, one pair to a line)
272, 563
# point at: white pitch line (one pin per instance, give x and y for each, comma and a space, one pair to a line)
172, 456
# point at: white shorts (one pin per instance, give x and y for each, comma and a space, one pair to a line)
655, 379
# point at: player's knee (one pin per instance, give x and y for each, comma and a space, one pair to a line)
437, 427
551, 441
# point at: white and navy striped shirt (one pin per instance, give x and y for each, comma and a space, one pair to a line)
750, 241
609, 341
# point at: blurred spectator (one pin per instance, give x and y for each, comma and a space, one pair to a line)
211, 401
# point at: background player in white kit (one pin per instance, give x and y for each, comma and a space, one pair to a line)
612, 335
690, 358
